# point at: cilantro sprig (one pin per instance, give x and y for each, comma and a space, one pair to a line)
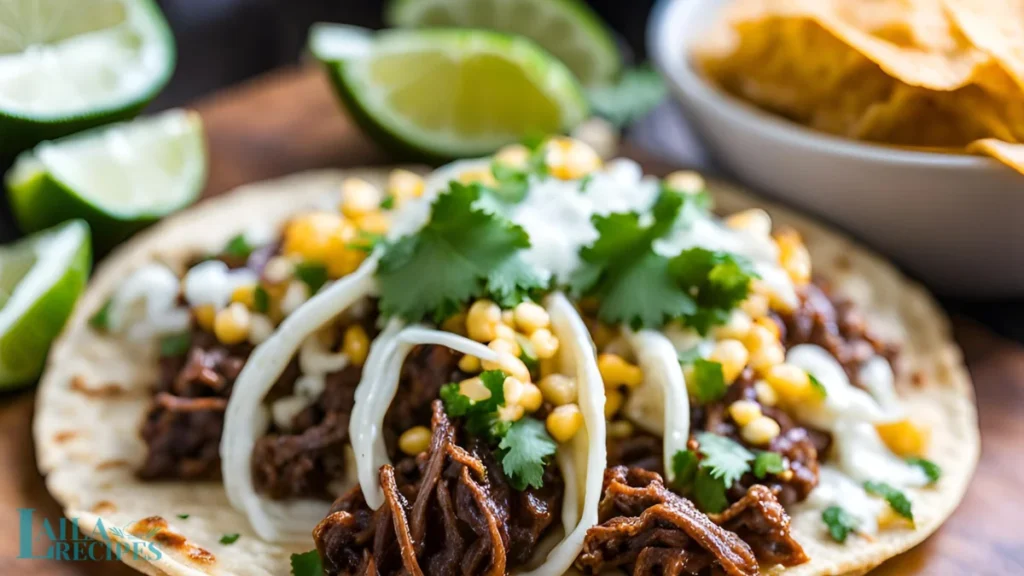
839, 523
930, 469
719, 462
717, 281
708, 381
175, 344
523, 446
238, 247
897, 500
464, 252
307, 564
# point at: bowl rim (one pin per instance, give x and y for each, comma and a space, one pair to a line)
671, 58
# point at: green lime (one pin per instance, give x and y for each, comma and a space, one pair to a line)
449, 93
68, 65
41, 277
569, 29
118, 178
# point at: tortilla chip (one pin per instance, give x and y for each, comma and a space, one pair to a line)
1010, 154
996, 27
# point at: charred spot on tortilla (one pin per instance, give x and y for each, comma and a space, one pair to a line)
81, 385
155, 529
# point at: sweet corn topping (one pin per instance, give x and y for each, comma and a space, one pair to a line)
505, 332
904, 438
415, 440
373, 223
564, 422
404, 185
620, 429
769, 324
744, 412
615, 371
482, 321
737, 327
474, 389
790, 382
469, 364
558, 389
231, 325
530, 317
356, 344
514, 156
756, 305
765, 358
760, 431
204, 316
324, 238
513, 390
614, 399
358, 197
732, 355
532, 398
545, 344
260, 329
510, 412
510, 364
766, 395
686, 182
456, 324
245, 295
793, 255
278, 270
569, 159
755, 220
481, 175
501, 345
508, 318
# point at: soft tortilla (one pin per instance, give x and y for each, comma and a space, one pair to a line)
96, 390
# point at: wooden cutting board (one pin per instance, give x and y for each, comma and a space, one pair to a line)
288, 122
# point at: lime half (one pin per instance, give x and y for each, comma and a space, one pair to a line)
41, 277
449, 93
569, 29
67, 65
118, 178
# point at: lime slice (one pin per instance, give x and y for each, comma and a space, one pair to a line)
569, 29
449, 93
41, 277
67, 65
118, 178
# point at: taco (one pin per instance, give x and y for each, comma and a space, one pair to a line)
561, 366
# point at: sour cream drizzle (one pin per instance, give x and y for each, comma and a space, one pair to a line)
146, 304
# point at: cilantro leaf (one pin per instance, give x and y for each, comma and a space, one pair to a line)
260, 300
365, 241
175, 344
689, 356
183, 516
481, 415
897, 500
456, 404
313, 275
237, 247
462, 253
766, 463
512, 186
726, 459
585, 183
633, 96
684, 467
708, 381
526, 448
718, 281
101, 319
709, 492
387, 203
632, 282
229, 538
930, 469
307, 564
513, 281
840, 523
817, 386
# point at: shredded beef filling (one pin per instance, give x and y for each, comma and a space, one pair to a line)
646, 529
449, 511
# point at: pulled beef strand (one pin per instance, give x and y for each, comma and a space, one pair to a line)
649, 530
447, 512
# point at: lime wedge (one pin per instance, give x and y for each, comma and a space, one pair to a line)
118, 178
569, 29
67, 65
41, 277
449, 93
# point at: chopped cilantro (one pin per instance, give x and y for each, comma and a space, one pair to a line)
527, 353
237, 247
512, 186
175, 344
388, 202
708, 381
635, 94
101, 319
706, 479
766, 463
463, 252
307, 564
230, 538
930, 469
709, 492
840, 523
481, 415
817, 386
260, 300
897, 500
183, 516
689, 356
365, 241
313, 275
726, 458
632, 282
585, 182
684, 467
718, 282
525, 450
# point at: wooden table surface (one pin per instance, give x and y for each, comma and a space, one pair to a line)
288, 121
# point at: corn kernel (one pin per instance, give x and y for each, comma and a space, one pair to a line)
771, 325
294, 296
510, 412
793, 255
569, 159
603, 335
530, 317
356, 344
754, 220
789, 381
503, 346
404, 185
205, 315
766, 395
231, 325
245, 295
558, 389
613, 401
732, 355
904, 438
564, 422
474, 389
617, 372
415, 440
532, 398
620, 429
756, 305
760, 431
325, 238
373, 223
744, 412
508, 318
482, 320
513, 156
480, 175
469, 364
506, 332
888, 518
545, 344
737, 327
686, 182
260, 329
549, 366
509, 364
763, 360
278, 270
512, 389
358, 197
456, 324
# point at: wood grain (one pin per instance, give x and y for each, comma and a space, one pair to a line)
288, 121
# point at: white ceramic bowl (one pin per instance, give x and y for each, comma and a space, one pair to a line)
955, 221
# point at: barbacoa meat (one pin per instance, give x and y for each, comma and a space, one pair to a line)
448, 512
646, 529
